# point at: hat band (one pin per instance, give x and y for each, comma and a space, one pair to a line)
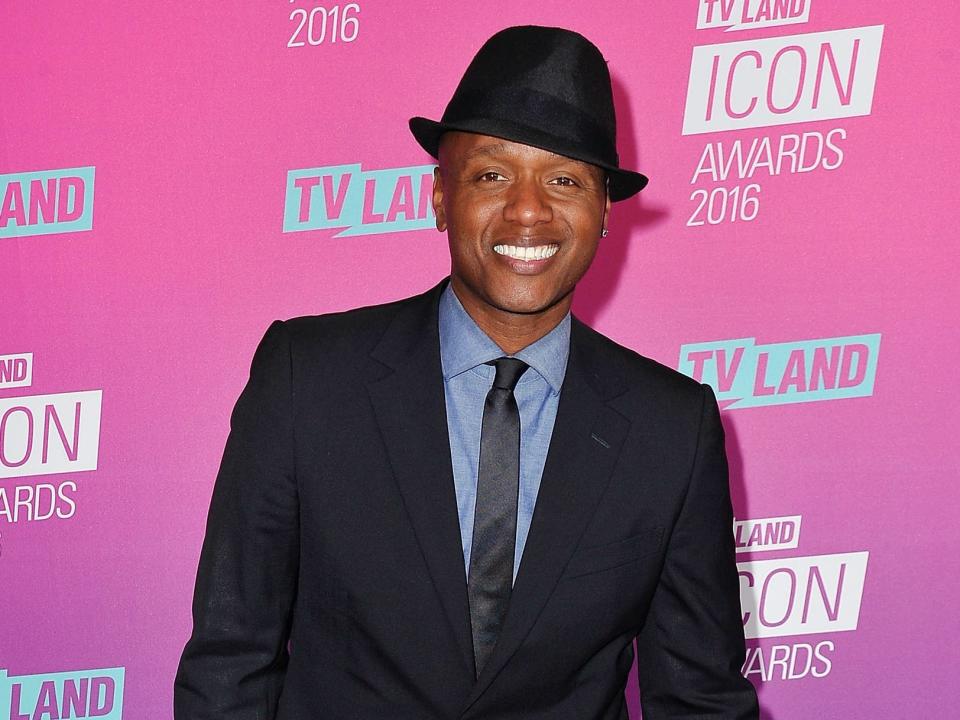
534, 118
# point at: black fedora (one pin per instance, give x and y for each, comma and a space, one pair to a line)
541, 86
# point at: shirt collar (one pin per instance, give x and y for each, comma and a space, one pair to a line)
464, 346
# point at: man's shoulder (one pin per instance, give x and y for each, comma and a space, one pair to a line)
357, 329
635, 374
367, 319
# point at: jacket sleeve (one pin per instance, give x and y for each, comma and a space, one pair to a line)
233, 666
691, 647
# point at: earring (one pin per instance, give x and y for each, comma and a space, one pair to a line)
604, 233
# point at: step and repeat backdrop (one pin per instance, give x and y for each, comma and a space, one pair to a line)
173, 177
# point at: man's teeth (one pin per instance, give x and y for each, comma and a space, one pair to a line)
539, 252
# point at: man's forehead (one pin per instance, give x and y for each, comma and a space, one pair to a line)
469, 146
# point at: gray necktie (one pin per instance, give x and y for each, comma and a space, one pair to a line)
495, 518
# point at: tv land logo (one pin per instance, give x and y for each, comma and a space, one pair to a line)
75, 694
805, 595
46, 202
16, 371
358, 201
766, 82
751, 14
43, 435
744, 374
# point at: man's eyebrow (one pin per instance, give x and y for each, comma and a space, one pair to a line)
495, 150
500, 149
487, 150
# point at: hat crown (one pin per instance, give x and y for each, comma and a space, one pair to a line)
541, 86
548, 79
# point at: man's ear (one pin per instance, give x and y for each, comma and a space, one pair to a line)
606, 207
438, 200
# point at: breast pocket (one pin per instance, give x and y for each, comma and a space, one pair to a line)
598, 558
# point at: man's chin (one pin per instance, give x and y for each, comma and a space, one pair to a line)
523, 299
532, 304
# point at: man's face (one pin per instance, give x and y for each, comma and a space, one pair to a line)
523, 223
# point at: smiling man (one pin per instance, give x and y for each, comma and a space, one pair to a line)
523, 225
468, 504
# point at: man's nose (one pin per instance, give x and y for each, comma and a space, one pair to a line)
528, 204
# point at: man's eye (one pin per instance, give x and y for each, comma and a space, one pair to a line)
564, 180
492, 176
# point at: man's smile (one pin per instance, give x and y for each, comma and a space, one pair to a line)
519, 252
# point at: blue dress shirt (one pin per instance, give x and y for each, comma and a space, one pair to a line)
464, 350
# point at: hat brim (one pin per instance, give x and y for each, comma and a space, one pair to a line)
623, 183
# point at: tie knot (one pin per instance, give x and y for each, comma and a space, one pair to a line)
509, 371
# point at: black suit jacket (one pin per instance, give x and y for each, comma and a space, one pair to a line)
331, 582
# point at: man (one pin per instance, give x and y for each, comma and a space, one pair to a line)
467, 504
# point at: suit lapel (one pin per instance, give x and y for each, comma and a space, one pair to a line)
586, 441
411, 412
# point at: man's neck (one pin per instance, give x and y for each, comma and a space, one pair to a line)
512, 332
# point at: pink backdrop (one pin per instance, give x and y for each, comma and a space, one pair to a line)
151, 227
